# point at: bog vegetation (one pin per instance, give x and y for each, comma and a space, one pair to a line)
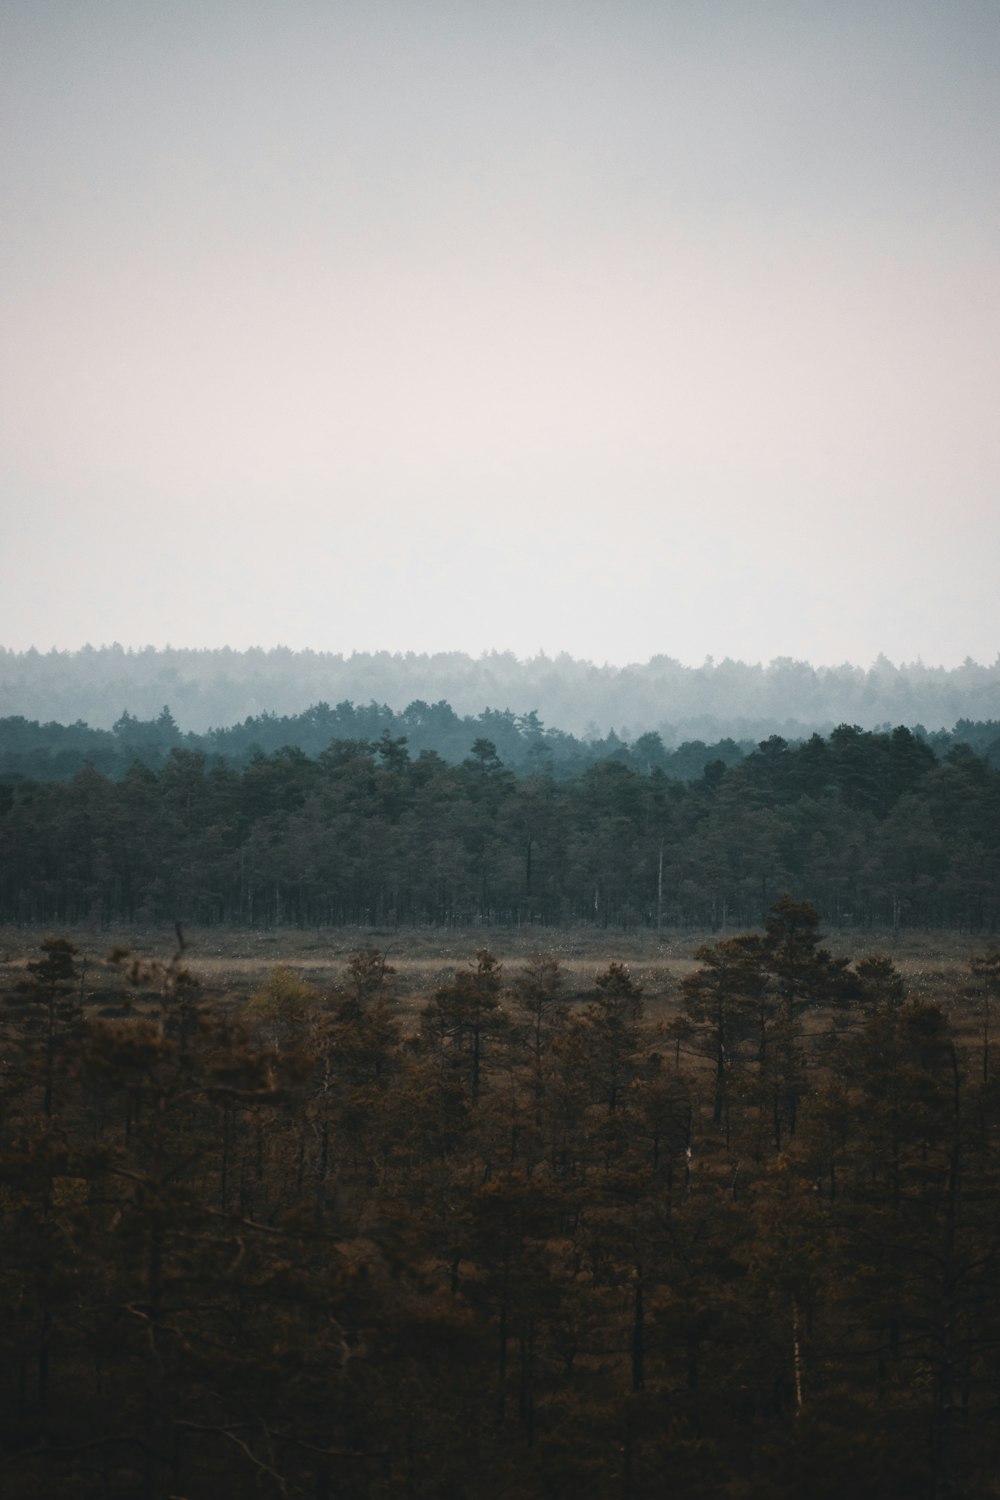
514, 1241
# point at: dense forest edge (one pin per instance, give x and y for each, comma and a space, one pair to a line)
53, 751
876, 828
304, 1241
57, 751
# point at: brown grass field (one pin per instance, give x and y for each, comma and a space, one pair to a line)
232, 963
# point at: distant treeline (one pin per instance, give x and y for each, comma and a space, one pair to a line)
55, 752
727, 699
873, 827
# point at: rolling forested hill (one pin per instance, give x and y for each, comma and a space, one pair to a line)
207, 688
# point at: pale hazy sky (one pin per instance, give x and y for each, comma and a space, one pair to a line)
609, 326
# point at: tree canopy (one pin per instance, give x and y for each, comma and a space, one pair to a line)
873, 827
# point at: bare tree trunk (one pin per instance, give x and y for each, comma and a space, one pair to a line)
659, 894
796, 1354
638, 1332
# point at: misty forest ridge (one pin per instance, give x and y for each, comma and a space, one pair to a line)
213, 688
363, 815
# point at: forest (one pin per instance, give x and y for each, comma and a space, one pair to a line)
504, 1240
54, 752
876, 828
716, 700
502, 1231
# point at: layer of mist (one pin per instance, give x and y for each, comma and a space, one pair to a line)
217, 687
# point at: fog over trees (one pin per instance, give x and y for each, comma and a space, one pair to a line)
212, 688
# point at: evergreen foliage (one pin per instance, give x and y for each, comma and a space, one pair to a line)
519, 1250
872, 827
659, 698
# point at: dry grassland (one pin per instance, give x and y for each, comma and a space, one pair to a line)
232, 963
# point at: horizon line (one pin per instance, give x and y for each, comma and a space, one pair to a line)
709, 662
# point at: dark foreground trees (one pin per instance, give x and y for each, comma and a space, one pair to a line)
515, 1245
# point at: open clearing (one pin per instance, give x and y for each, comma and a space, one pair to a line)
234, 962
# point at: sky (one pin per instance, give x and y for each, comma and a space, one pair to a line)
614, 327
